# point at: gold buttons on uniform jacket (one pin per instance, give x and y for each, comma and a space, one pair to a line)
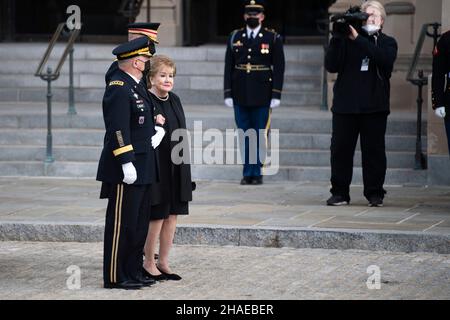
249, 57
249, 49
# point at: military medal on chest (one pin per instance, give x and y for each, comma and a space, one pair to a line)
264, 48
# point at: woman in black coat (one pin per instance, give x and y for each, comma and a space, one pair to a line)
171, 195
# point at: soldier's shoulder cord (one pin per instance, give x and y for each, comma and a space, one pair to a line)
275, 34
233, 34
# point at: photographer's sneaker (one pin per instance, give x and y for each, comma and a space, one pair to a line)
375, 202
338, 201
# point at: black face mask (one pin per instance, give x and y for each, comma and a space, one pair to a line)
252, 22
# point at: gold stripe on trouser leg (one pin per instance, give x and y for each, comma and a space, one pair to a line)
266, 138
117, 213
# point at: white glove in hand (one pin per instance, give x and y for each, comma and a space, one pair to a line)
274, 103
129, 173
440, 112
229, 102
157, 138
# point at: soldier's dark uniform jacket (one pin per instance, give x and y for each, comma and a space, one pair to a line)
441, 74
254, 69
129, 124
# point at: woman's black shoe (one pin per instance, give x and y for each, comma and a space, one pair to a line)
170, 276
159, 277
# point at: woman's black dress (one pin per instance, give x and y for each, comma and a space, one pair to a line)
169, 173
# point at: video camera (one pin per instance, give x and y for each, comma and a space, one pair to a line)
352, 17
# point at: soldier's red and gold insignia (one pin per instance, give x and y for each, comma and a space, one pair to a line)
264, 48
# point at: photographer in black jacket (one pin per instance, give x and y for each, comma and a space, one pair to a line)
364, 61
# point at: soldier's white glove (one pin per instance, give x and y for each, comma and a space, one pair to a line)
229, 102
157, 138
129, 173
274, 103
440, 112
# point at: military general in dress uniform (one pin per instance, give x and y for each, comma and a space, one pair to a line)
441, 81
127, 167
253, 81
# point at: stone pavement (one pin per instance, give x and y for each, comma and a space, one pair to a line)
39, 270
272, 215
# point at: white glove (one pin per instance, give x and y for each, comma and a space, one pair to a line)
274, 103
129, 173
440, 112
229, 102
157, 138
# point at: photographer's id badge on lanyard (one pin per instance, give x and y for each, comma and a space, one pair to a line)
365, 64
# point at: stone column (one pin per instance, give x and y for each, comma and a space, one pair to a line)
438, 153
169, 14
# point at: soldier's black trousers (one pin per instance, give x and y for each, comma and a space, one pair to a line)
371, 128
127, 219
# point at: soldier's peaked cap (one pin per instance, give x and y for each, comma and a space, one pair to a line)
147, 29
253, 6
133, 48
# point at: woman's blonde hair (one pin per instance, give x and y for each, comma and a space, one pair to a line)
376, 5
157, 62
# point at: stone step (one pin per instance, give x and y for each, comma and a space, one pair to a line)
188, 96
297, 157
208, 172
99, 67
35, 51
196, 82
94, 137
32, 116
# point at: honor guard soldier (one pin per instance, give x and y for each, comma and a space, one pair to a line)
253, 81
441, 81
137, 30
127, 166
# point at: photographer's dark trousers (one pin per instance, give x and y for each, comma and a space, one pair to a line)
127, 219
371, 128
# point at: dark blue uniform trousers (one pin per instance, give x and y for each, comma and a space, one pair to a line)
257, 118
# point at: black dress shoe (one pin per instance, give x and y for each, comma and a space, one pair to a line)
159, 277
257, 180
246, 180
127, 285
170, 276
146, 281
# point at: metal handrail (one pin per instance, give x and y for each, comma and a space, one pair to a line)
420, 82
50, 76
419, 46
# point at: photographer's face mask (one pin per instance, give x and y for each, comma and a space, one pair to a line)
371, 29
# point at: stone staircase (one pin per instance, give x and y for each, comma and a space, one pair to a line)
199, 73
77, 139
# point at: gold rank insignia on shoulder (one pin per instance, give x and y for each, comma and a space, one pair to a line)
238, 44
265, 48
116, 83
